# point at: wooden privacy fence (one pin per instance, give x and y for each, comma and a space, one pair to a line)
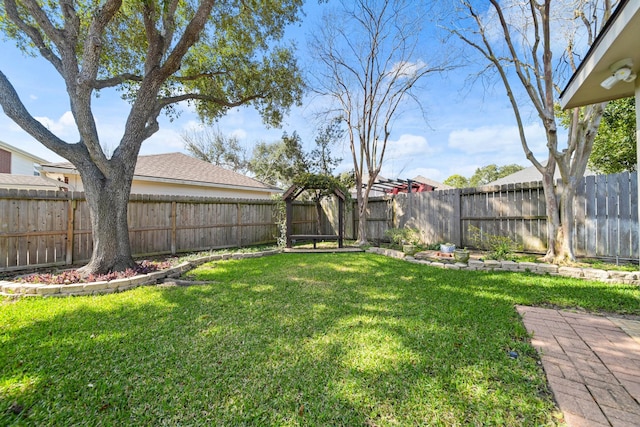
40, 228
45, 228
605, 223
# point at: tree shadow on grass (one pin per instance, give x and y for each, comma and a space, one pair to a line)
285, 340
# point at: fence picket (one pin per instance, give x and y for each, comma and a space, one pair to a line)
43, 229
48, 228
605, 215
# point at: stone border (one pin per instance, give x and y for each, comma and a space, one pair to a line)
607, 276
16, 289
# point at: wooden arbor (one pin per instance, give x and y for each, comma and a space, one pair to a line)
291, 194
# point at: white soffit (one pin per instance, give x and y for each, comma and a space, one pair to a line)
619, 40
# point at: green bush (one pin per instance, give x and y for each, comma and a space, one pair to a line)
404, 235
499, 247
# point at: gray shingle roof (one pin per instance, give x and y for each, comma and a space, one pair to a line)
181, 167
437, 185
530, 174
30, 182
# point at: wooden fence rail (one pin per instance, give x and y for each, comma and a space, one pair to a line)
605, 219
44, 228
39, 228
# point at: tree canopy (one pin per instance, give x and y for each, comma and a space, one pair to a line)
214, 147
214, 55
615, 146
281, 163
483, 175
278, 163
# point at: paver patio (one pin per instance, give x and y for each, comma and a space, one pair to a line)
592, 364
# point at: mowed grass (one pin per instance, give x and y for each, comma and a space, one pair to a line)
291, 339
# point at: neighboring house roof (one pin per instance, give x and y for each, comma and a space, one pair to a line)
179, 168
13, 149
29, 182
437, 185
530, 174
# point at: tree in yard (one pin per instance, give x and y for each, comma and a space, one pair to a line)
215, 148
213, 54
322, 164
482, 176
615, 146
368, 63
457, 181
490, 173
517, 41
280, 162
321, 160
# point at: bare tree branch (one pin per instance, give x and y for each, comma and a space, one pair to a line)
16, 111
370, 65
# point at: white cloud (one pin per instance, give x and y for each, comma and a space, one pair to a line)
408, 146
501, 140
164, 141
64, 127
408, 69
239, 133
193, 125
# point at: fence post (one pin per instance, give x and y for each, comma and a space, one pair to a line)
71, 208
239, 225
174, 232
456, 220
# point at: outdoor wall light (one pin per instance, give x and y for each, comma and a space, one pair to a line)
621, 72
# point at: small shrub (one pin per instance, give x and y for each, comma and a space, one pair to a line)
433, 246
499, 247
404, 235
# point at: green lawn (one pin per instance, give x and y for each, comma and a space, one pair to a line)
291, 339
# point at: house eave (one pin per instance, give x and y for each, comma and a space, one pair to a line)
35, 159
617, 41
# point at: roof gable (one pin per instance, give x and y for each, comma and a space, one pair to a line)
23, 153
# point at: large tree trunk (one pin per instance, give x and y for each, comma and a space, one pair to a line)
362, 196
362, 222
108, 200
559, 210
553, 217
319, 213
565, 233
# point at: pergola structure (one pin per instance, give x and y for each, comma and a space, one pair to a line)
611, 68
291, 194
395, 186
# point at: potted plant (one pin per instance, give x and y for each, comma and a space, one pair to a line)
461, 255
447, 248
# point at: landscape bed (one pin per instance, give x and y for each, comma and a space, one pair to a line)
292, 339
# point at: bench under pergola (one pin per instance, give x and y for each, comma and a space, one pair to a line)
291, 194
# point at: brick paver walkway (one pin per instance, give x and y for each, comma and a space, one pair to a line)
592, 365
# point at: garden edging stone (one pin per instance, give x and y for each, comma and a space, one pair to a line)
16, 289
628, 278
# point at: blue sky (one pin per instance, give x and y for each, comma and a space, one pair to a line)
467, 126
